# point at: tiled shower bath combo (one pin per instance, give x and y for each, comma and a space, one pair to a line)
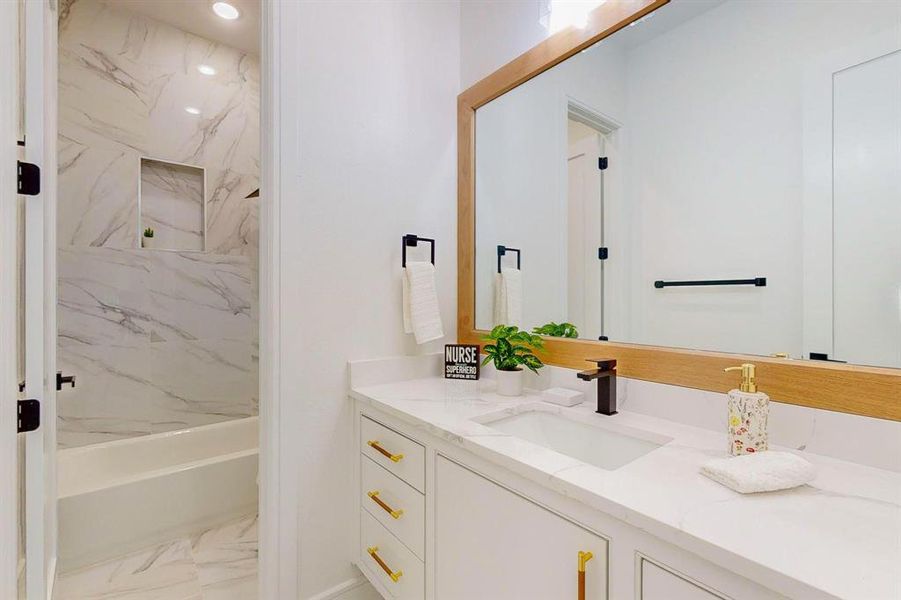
157, 308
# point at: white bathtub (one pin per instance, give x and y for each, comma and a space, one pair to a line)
120, 496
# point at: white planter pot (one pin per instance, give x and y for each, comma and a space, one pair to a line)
509, 383
147, 242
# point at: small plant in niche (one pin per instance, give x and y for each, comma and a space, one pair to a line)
148, 237
564, 330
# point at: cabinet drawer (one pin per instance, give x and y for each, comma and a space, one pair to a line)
381, 552
394, 504
658, 583
397, 453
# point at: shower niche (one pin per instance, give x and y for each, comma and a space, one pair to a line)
171, 206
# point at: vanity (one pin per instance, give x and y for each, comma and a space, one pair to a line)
467, 494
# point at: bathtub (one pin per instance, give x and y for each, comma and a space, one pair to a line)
120, 496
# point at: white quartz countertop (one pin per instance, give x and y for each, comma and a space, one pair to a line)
838, 536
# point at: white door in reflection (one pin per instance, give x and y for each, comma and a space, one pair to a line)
585, 229
867, 212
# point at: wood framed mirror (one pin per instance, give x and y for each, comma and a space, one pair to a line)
873, 386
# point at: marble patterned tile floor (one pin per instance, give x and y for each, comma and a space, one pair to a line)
218, 563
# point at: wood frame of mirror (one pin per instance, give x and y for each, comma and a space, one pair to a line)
861, 390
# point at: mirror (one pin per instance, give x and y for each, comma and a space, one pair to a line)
719, 175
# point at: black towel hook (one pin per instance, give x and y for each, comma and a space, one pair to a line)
413, 240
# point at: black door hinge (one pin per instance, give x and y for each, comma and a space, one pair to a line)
603, 253
29, 416
29, 176
602, 163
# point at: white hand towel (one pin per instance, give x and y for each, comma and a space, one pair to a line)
760, 472
422, 314
508, 297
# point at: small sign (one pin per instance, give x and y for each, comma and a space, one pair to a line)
461, 361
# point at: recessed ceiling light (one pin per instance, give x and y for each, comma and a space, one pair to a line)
206, 69
226, 10
192, 110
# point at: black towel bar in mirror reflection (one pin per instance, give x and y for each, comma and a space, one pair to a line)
756, 282
413, 240
502, 250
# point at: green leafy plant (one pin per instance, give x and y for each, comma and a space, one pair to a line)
511, 349
148, 232
564, 330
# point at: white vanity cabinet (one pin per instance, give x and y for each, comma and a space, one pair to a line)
493, 543
440, 523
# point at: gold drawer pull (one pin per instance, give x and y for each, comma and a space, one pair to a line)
394, 575
394, 457
375, 498
584, 557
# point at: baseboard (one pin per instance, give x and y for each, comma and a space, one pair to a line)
342, 588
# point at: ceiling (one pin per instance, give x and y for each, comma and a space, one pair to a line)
196, 16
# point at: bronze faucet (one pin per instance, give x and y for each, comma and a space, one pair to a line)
606, 389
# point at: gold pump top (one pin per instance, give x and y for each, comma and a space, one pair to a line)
748, 377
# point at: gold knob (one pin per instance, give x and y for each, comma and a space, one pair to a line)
394, 575
376, 446
584, 557
374, 495
780, 355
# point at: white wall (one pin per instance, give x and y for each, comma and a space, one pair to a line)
367, 144
493, 33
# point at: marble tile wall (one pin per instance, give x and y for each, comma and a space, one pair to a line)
158, 340
124, 82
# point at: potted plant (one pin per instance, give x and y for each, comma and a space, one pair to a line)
147, 240
564, 330
510, 350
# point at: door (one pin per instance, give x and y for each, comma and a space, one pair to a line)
492, 544
38, 264
867, 212
585, 229
9, 455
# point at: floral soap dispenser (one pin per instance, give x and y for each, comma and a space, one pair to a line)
748, 414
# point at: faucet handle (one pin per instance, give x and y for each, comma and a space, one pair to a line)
605, 364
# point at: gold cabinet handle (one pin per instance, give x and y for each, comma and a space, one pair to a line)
584, 557
374, 495
394, 575
375, 445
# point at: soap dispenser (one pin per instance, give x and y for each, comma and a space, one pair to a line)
748, 414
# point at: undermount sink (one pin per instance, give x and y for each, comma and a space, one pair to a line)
603, 447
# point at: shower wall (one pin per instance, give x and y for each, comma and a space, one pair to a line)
158, 340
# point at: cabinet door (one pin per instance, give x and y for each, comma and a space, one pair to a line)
659, 584
492, 544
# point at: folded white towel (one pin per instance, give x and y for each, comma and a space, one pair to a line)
508, 297
422, 314
760, 472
